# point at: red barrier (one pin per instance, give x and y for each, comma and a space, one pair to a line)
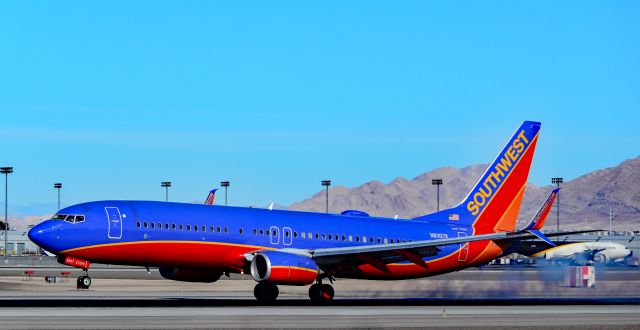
79, 263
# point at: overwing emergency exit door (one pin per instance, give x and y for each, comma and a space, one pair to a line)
464, 248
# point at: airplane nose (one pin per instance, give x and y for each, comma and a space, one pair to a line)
42, 234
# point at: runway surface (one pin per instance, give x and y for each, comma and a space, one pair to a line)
354, 316
131, 298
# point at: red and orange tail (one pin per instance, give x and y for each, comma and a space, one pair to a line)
493, 203
211, 197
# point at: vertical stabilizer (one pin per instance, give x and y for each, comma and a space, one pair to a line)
493, 203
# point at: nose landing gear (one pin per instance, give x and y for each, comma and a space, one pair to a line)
84, 281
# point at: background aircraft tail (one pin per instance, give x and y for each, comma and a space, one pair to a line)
211, 197
538, 220
493, 203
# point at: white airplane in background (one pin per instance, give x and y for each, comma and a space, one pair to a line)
586, 252
580, 253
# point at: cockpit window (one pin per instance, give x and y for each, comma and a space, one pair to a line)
72, 218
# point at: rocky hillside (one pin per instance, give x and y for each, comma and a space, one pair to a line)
585, 201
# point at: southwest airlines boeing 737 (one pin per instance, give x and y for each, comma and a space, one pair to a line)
199, 243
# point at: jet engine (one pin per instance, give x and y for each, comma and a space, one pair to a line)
190, 274
280, 267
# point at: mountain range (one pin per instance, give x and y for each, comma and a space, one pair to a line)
585, 202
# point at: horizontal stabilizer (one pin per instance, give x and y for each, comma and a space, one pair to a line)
541, 236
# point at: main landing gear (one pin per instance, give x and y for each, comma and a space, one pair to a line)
266, 292
321, 293
84, 281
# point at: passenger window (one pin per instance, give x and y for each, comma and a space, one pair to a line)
173, 226
211, 229
204, 228
309, 235
188, 227
317, 236
344, 238
335, 237
350, 238
386, 241
181, 227
286, 234
364, 239
357, 238
226, 230
159, 225
138, 224
255, 232
370, 239
166, 226
379, 240
195, 228
324, 236
261, 232
218, 229
153, 225
240, 231
295, 234
304, 235
145, 224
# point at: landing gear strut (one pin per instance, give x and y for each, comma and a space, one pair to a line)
84, 281
321, 293
266, 292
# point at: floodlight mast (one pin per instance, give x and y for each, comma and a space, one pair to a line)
326, 184
226, 185
437, 183
557, 181
166, 185
6, 171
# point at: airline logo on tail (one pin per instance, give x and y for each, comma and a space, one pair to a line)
501, 169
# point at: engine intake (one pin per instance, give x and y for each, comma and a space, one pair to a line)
283, 268
190, 274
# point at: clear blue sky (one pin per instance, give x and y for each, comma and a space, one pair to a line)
112, 97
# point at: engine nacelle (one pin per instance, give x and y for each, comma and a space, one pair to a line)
283, 268
600, 258
190, 274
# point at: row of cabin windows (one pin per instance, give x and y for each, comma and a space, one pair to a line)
335, 237
262, 232
173, 226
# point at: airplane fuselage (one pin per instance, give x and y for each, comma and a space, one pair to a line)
147, 233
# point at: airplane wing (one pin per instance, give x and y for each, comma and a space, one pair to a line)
379, 255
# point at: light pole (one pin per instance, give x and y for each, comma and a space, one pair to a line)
557, 181
225, 184
6, 171
166, 185
58, 186
326, 184
437, 183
